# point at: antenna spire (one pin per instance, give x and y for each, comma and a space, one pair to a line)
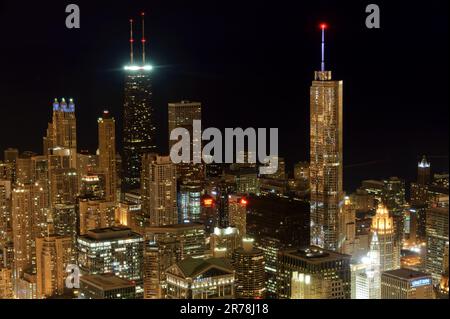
323, 26
143, 38
131, 43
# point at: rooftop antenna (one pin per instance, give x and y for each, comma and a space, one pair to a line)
323, 26
143, 37
131, 43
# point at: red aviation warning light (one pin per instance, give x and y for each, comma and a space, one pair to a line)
323, 26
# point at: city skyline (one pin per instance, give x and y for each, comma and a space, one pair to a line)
122, 213
242, 64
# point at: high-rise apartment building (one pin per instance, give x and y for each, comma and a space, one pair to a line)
29, 220
326, 157
159, 190
53, 254
249, 264
107, 154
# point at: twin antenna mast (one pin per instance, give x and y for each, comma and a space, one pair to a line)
143, 41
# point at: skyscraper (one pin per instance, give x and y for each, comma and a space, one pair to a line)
107, 153
138, 122
29, 220
383, 227
62, 131
437, 241
182, 115
159, 190
249, 262
326, 157
53, 254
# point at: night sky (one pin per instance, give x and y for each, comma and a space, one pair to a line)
249, 62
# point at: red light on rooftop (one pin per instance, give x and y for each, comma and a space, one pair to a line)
243, 202
208, 202
323, 26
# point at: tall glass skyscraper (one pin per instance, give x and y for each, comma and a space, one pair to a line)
326, 174
138, 122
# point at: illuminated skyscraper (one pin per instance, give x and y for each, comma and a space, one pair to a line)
53, 254
383, 227
29, 220
159, 190
326, 157
249, 262
138, 118
182, 115
107, 153
62, 131
367, 279
5, 210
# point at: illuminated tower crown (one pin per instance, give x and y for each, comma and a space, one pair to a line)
381, 222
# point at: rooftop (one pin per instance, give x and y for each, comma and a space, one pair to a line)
315, 254
115, 232
106, 281
405, 274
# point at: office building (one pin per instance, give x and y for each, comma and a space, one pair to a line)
138, 118
189, 201
115, 250
182, 115
406, 284
313, 273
